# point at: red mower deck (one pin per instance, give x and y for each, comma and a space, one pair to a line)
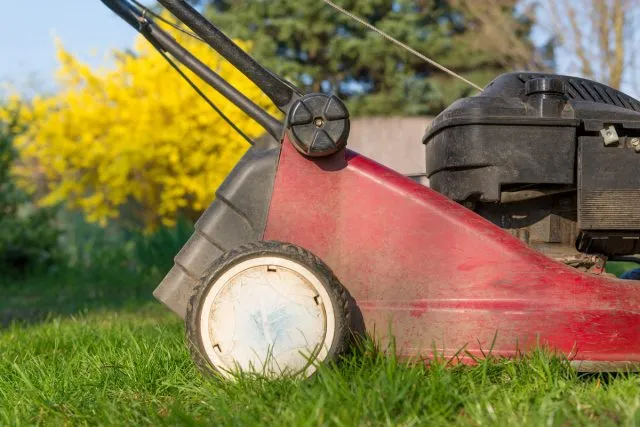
308, 243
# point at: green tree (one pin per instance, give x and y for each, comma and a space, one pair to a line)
28, 236
319, 49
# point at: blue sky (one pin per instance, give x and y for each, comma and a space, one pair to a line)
27, 29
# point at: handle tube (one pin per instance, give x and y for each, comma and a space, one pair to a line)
162, 40
282, 93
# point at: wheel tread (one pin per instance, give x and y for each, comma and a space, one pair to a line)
342, 299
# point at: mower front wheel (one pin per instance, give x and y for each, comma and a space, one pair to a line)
268, 308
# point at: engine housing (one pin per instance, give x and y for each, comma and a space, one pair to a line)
553, 158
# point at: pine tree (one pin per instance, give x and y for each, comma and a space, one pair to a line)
319, 49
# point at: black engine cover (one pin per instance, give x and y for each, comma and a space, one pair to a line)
548, 134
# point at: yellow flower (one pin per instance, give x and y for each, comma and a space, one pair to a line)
135, 134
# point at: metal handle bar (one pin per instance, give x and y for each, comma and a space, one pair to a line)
162, 40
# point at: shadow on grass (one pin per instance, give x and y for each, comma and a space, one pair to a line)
39, 297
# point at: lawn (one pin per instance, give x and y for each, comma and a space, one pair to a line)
75, 352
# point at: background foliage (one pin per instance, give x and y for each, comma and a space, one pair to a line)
134, 143
28, 237
321, 50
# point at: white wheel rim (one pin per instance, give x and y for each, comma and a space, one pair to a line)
267, 315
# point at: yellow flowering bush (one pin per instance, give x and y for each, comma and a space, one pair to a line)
135, 136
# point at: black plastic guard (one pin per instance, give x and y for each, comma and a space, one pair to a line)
237, 216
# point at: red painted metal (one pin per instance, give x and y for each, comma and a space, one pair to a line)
438, 276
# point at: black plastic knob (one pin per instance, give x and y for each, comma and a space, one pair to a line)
318, 125
546, 85
546, 97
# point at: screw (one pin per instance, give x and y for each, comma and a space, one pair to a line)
319, 122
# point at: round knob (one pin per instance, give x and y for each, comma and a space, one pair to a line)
318, 125
546, 85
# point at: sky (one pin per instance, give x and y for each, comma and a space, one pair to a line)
87, 28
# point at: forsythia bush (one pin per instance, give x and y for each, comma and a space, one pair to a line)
135, 138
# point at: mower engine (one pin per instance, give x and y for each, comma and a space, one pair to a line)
554, 159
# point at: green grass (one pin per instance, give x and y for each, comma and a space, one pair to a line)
108, 355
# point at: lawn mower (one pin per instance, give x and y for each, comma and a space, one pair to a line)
533, 187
